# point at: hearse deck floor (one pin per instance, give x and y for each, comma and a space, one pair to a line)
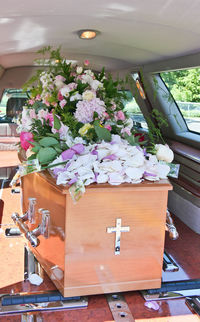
183, 250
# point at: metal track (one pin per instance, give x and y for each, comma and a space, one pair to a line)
119, 308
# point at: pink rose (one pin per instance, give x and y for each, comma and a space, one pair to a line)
24, 138
108, 127
86, 62
120, 116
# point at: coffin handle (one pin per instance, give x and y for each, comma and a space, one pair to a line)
34, 241
173, 234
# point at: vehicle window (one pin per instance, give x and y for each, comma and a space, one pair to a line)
133, 110
184, 86
11, 104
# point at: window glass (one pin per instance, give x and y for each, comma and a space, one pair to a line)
11, 104
184, 86
133, 110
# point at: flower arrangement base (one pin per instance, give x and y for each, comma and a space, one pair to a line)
111, 240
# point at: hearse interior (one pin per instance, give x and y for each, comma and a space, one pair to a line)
155, 46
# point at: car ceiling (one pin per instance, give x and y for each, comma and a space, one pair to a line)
132, 32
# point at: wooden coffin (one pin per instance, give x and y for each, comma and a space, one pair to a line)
79, 255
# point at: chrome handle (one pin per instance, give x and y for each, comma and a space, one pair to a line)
31, 210
24, 229
45, 223
30, 213
173, 234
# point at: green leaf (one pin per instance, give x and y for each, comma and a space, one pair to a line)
58, 148
48, 141
54, 135
46, 155
131, 139
36, 148
57, 124
101, 132
32, 157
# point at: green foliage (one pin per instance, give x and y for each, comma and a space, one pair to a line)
46, 155
184, 84
48, 141
132, 140
69, 120
57, 124
101, 132
155, 135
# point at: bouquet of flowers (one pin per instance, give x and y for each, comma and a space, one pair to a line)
74, 124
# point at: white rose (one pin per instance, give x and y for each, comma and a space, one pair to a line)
79, 70
88, 96
164, 153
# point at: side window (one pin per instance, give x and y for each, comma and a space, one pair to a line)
133, 110
184, 85
11, 104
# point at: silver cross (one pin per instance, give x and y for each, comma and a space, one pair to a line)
118, 230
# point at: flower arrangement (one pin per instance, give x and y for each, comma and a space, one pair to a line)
74, 124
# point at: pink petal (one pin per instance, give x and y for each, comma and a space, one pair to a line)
110, 157
78, 148
67, 154
24, 138
72, 181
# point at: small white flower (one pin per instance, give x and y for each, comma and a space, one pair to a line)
95, 84
75, 97
79, 69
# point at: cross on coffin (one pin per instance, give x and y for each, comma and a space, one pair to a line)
118, 230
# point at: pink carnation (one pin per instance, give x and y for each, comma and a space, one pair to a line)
60, 97
31, 101
49, 117
38, 97
63, 103
72, 86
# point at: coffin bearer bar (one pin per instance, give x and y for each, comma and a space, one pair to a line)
42, 229
118, 230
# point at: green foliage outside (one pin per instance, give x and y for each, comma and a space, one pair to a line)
184, 85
